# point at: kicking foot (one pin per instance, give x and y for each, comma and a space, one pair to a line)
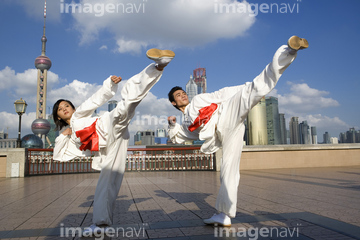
94, 230
296, 43
161, 57
220, 219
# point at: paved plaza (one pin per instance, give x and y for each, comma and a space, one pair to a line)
307, 203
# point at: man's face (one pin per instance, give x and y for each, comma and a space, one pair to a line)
181, 99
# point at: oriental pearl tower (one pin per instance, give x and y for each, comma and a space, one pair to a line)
43, 64
41, 126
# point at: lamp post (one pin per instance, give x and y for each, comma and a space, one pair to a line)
20, 108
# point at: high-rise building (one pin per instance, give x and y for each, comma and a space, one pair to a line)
3, 134
357, 136
200, 79
111, 105
342, 138
257, 124
148, 137
283, 132
51, 136
137, 138
191, 88
304, 132
273, 120
43, 64
294, 130
326, 138
351, 136
313, 135
160, 132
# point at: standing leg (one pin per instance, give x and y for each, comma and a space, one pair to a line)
117, 121
115, 124
230, 171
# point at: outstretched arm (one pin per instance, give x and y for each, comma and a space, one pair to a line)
104, 94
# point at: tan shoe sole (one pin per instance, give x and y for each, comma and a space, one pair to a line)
155, 53
297, 43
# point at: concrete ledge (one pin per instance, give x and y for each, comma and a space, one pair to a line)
297, 147
297, 156
300, 156
12, 162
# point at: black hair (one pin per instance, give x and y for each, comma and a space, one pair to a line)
59, 123
171, 94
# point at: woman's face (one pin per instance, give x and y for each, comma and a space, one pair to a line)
65, 111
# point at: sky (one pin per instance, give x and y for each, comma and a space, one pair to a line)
233, 40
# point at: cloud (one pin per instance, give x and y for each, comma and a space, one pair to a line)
10, 123
177, 23
326, 122
308, 103
76, 91
304, 99
23, 84
103, 47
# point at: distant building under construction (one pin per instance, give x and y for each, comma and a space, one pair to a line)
197, 83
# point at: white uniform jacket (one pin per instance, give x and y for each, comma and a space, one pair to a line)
66, 146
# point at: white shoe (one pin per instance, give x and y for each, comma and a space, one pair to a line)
220, 219
161, 57
93, 230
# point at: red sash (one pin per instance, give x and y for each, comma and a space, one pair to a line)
89, 138
205, 114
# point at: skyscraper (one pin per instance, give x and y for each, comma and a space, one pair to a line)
200, 79
137, 138
53, 133
326, 137
257, 125
313, 135
273, 120
304, 133
294, 130
111, 105
283, 133
160, 132
191, 88
43, 64
351, 136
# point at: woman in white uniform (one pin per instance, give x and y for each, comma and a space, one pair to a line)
218, 118
106, 137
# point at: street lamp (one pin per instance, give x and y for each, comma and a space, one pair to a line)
20, 108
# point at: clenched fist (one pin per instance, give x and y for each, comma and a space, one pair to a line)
172, 120
116, 79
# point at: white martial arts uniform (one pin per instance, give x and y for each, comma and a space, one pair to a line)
112, 129
226, 126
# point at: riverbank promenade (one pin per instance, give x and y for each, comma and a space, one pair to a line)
301, 203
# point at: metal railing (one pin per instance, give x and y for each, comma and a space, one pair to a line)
40, 161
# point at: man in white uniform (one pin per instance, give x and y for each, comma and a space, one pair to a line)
218, 118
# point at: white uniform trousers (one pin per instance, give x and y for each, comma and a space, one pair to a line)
113, 166
231, 128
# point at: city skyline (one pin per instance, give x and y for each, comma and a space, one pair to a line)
320, 86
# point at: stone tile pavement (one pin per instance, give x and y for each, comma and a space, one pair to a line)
315, 203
